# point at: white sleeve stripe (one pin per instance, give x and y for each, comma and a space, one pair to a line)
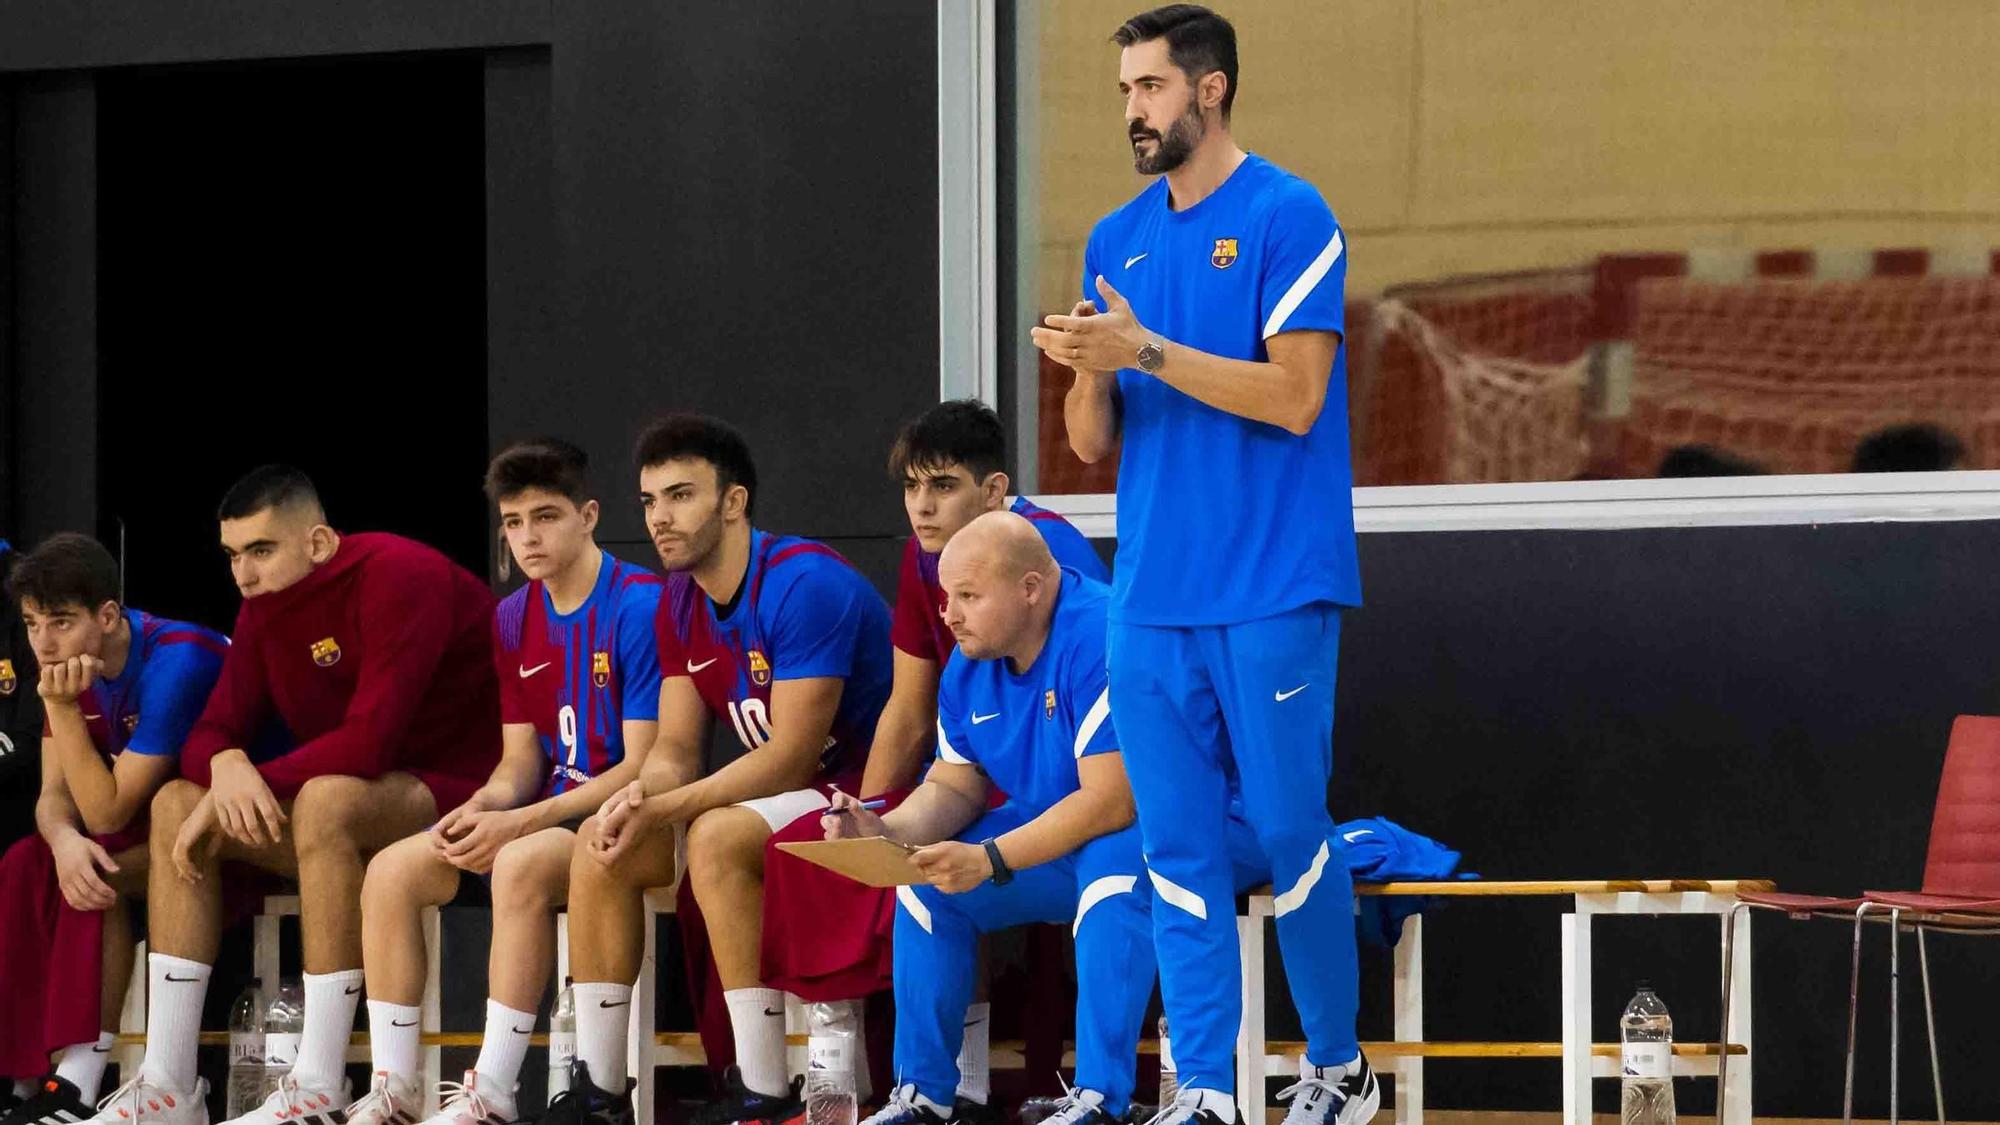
1303, 287
946, 752
1099, 711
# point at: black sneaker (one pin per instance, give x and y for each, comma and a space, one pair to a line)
584, 1104
57, 1102
903, 1108
1077, 1107
1330, 1096
740, 1105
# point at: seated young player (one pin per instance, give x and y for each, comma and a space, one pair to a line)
786, 642
579, 696
120, 690
826, 938
376, 654
1023, 706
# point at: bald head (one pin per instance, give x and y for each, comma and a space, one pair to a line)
1001, 585
1001, 542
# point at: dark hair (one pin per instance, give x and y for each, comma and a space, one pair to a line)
1198, 41
962, 431
1707, 461
706, 439
1915, 448
550, 464
67, 569
266, 487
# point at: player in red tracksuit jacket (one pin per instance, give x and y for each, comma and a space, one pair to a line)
376, 655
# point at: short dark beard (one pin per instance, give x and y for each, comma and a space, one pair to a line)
1173, 149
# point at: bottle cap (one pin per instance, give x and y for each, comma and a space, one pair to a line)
1644, 985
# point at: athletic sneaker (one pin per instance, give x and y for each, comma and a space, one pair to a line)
1075, 1107
903, 1108
390, 1100
1331, 1096
965, 1111
293, 1104
140, 1102
56, 1102
740, 1105
1186, 1109
584, 1104
465, 1104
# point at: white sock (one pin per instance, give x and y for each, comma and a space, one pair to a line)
1330, 1073
82, 1064
330, 1002
395, 1039
501, 1052
975, 1060
175, 990
603, 1015
758, 1017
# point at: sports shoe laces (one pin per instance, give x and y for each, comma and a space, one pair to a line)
901, 1106
137, 1100
1185, 1107
459, 1097
1073, 1107
1316, 1099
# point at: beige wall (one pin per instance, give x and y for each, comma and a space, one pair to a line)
1464, 136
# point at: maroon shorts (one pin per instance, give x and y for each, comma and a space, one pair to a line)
826, 937
51, 958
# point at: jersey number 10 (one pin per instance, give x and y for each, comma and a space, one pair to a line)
752, 720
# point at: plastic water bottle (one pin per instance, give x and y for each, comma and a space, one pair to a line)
830, 1052
284, 1020
1170, 1079
246, 1050
562, 1038
1646, 1078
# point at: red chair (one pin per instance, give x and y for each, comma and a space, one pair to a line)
1960, 894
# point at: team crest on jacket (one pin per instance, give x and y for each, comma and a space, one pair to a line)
600, 668
7, 678
131, 724
760, 668
326, 653
1049, 704
1225, 253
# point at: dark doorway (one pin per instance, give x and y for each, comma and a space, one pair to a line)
292, 268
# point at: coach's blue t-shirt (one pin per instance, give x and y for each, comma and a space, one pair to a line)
1222, 519
1028, 730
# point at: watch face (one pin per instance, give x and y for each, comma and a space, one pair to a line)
1150, 357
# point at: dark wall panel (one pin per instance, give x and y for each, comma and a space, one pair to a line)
80, 34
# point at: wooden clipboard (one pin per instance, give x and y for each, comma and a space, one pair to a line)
874, 860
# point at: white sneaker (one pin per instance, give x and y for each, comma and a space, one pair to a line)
1320, 1097
390, 1100
293, 1104
140, 1102
466, 1104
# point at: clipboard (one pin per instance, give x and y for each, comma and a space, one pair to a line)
876, 861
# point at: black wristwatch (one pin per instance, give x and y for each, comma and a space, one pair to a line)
1002, 874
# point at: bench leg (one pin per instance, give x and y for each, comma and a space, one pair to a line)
1733, 1077
1576, 1018
1409, 1007
645, 999
1251, 1065
431, 1017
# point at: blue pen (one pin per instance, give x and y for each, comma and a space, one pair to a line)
879, 802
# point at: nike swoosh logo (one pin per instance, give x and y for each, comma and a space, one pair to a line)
92, 718
978, 719
100, 1050
693, 667
526, 671
769, 1012
183, 980
352, 991
400, 1023
524, 1030
1349, 836
1132, 261
1284, 695
609, 1004
974, 1023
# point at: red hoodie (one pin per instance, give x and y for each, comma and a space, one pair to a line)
381, 659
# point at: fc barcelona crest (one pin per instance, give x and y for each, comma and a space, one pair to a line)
131, 724
326, 653
1049, 704
1225, 253
7, 678
760, 668
600, 668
